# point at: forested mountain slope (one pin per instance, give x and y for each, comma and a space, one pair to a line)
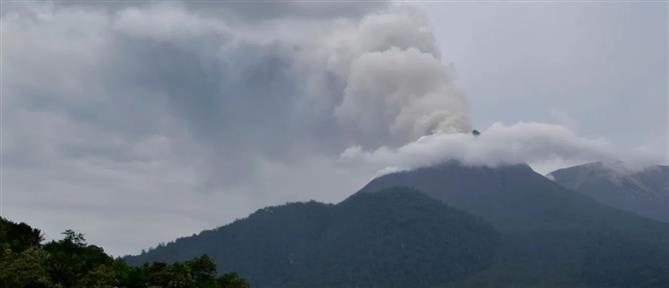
394, 238
644, 192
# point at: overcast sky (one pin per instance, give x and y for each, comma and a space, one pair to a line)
136, 122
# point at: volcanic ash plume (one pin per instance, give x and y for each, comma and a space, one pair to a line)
397, 87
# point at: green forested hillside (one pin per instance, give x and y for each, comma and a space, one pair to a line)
551, 236
540, 234
396, 238
644, 192
70, 262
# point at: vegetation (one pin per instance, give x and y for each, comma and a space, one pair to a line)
550, 236
71, 262
399, 238
644, 192
540, 234
502, 227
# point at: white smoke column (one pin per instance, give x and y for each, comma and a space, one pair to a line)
397, 88
399, 95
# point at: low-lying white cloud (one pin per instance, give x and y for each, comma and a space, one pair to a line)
542, 146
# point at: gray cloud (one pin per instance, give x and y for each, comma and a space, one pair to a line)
605, 66
159, 109
137, 122
244, 11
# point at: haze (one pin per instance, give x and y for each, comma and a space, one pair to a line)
136, 123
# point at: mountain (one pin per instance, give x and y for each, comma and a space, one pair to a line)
645, 192
456, 226
551, 236
394, 238
511, 196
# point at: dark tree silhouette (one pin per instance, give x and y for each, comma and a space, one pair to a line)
71, 262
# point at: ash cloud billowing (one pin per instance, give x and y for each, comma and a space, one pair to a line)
165, 108
253, 89
397, 88
160, 119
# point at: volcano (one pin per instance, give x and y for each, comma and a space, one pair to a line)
448, 225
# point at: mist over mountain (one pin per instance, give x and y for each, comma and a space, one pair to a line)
540, 235
642, 191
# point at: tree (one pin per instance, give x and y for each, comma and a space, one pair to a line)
165, 275
74, 238
25, 269
71, 262
231, 280
19, 236
102, 276
203, 271
71, 259
128, 276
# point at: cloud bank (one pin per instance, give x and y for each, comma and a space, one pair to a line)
543, 146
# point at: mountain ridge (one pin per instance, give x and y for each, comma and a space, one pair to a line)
548, 226
546, 236
641, 191
367, 240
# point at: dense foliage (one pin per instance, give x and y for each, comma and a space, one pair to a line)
399, 238
644, 192
551, 236
71, 262
501, 227
542, 235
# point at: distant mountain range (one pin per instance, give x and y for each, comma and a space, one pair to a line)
645, 191
448, 225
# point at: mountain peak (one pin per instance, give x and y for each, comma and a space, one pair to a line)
642, 191
455, 226
483, 191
